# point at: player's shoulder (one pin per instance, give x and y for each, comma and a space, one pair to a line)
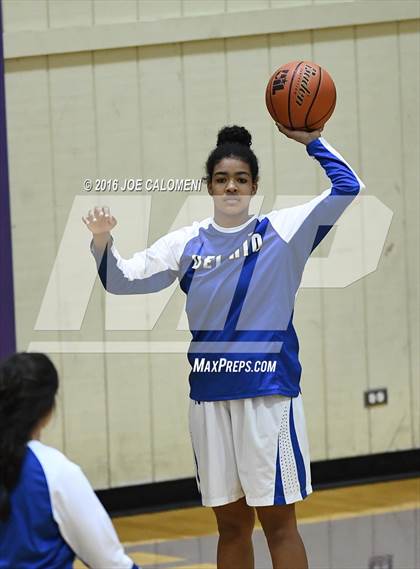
296, 205
289, 218
277, 216
176, 241
55, 464
187, 232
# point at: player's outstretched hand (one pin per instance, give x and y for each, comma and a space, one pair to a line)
302, 136
99, 220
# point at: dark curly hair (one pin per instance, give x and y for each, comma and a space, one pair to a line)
28, 385
233, 142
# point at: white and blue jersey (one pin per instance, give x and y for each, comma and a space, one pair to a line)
241, 283
56, 515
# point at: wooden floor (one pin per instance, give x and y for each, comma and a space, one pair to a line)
350, 502
321, 505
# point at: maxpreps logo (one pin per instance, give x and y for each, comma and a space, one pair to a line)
223, 365
211, 261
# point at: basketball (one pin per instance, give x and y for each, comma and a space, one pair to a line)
300, 95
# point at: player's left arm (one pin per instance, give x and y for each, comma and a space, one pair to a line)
312, 220
344, 180
83, 521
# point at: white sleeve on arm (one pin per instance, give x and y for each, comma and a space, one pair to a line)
308, 223
150, 270
83, 521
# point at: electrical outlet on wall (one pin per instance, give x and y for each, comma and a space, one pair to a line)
381, 562
375, 397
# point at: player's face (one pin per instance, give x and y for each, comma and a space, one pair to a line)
232, 187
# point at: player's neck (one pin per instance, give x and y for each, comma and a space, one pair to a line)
231, 220
36, 434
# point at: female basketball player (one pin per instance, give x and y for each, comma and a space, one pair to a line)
48, 510
241, 274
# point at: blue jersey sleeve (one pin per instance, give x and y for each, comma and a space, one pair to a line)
344, 181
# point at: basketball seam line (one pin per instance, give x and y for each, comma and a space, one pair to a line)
331, 107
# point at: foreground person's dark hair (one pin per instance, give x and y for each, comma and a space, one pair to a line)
28, 385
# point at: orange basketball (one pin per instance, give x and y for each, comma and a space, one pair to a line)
300, 95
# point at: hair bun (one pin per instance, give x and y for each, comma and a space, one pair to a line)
235, 134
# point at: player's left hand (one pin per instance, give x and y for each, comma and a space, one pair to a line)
302, 136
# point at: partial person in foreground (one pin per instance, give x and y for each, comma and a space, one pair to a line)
48, 511
240, 273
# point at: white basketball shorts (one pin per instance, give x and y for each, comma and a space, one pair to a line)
256, 448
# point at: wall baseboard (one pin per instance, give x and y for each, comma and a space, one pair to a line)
172, 494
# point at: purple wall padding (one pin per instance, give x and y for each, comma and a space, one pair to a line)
7, 310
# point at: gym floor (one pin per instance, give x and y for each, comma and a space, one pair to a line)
371, 526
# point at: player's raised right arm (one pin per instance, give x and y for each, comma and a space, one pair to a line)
147, 271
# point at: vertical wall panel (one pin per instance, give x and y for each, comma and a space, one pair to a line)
23, 15
129, 416
172, 453
119, 126
162, 123
74, 139
32, 204
73, 124
65, 14
30, 187
343, 308
409, 87
152, 10
241, 6
161, 101
296, 175
114, 11
194, 8
205, 92
117, 114
386, 309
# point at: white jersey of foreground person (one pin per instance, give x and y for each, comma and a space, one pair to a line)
55, 516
